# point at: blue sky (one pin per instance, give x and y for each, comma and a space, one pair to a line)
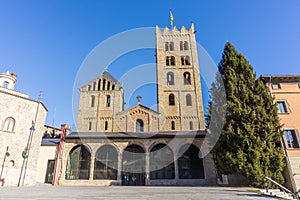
45, 42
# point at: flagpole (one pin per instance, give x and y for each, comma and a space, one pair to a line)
171, 19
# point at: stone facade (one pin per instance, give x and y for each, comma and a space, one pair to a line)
286, 93
113, 146
17, 138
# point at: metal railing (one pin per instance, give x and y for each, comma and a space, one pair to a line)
284, 189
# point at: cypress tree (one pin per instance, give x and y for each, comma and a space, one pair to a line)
249, 142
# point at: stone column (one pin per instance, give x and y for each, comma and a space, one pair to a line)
92, 166
147, 157
176, 167
119, 176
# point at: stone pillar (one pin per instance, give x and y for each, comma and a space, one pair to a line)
119, 176
147, 157
92, 166
176, 168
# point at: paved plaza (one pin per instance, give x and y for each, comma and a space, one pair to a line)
44, 192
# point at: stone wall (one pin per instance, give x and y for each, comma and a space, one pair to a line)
23, 111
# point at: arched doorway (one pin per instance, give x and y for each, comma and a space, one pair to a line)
161, 162
190, 165
133, 166
78, 163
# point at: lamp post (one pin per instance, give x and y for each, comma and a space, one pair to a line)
25, 155
5, 155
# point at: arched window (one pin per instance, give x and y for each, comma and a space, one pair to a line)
5, 84
186, 45
108, 101
78, 163
9, 124
172, 125
90, 126
106, 163
187, 78
170, 78
92, 100
171, 46
167, 46
161, 162
182, 60
89, 87
181, 45
191, 125
187, 60
94, 85
171, 100
190, 165
173, 63
170, 61
106, 125
188, 99
133, 165
139, 125
103, 84
108, 85
99, 84
113, 87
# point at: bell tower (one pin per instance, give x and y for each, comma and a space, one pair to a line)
178, 80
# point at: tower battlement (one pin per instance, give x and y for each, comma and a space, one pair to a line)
174, 30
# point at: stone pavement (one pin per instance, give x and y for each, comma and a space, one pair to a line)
43, 192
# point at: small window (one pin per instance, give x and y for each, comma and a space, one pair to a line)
170, 61
181, 45
94, 86
90, 126
173, 63
188, 99
89, 87
171, 100
291, 139
106, 125
108, 101
9, 124
172, 125
187, 78
99, 84
92, 101
139, 125
113, 87
167, 46
276, 86
5, 84
171, 46
170, 78
191, 125
186, 45
108, 85
282, 107
103, 84
185, 60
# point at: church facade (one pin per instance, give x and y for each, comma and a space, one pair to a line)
139, 145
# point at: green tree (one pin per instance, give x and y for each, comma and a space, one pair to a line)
249, 142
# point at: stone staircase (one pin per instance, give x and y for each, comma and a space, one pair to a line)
277, 193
